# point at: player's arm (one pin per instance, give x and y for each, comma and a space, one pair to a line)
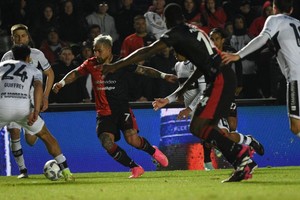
135, 57
38, 98
252, 46
48, 85
69, 78
154, 73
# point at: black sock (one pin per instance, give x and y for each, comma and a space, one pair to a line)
228, 148
206, 151
146, 146
121, 156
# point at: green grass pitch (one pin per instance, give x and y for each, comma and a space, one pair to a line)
267, 183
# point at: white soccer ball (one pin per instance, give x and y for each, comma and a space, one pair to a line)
52, 170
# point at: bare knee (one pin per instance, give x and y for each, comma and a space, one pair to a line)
30, 139
132, 138
107, 141
295, 125
14, 133
49, 141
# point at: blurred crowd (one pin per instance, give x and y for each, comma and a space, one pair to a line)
64, 31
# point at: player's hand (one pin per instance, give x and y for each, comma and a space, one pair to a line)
171, 78
184, 114
229, 57
56, 87
45, 104
159, 103
32, 117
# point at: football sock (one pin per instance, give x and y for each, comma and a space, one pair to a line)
121, 156
146, 146
246, 140
61, 161
228, 148
206, 153
17, 151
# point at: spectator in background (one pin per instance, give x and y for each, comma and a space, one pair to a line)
155, 20
75, 92
264, 56
43, 23
72, 27
191, 12
239, 39
258, 23
213, 16
229, 8
228, 29
140, 87
21, 13
247, 12
124, 22
104, 20
93, 31
86, 53
52, 46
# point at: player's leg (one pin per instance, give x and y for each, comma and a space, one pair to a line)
108, 133
143, 144
207, 159
40, 130
240, 138
54, 150
30, 139
130, 128
215, 104
16, 148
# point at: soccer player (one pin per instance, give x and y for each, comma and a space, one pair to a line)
196, 46
113, 110
20, 35
218, 37
284, 31
17, 77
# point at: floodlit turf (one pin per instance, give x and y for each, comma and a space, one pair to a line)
267, 183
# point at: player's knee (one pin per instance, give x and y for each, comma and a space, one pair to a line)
132, 138
30, 139
106, 141
14, 133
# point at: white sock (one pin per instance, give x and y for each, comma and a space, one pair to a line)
247, 140
241, 138
298, 135
17, 151
60, 158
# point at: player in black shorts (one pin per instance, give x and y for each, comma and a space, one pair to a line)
196, 46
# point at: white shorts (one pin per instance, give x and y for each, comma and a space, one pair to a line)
19, 117
293, 99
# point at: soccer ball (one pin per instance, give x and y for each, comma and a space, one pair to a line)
52, 170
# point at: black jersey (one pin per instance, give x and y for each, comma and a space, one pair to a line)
196, 46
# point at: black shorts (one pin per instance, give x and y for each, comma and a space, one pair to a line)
218, 96
121, 119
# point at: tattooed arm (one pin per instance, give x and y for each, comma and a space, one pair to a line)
154, 73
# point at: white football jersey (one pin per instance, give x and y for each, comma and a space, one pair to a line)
191, 96
16, 81
285, 33
37, 57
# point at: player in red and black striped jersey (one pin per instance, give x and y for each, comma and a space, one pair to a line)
195, 45
113, 110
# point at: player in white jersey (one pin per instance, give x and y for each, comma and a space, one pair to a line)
15, 102
284, 31
20, 35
